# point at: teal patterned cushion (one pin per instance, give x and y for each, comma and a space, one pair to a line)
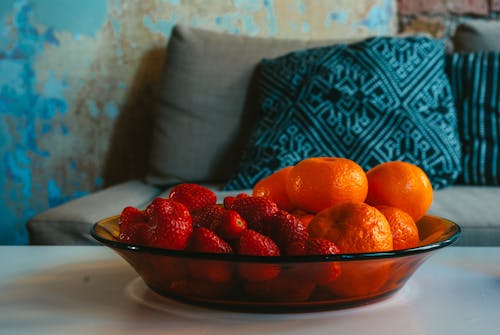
378, 100
475, 82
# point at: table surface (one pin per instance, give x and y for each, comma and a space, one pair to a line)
91, 290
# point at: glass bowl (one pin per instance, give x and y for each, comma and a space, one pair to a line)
214, 280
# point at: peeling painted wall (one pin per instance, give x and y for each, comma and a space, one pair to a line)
76, 82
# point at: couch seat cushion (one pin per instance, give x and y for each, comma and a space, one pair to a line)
71, 222
475, 209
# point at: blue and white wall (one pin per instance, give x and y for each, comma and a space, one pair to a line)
71, 70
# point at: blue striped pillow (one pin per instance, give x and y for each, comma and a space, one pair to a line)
475, 83
382, 99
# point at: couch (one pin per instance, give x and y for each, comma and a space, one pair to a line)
206, 112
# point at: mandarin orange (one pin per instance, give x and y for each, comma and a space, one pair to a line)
402, 185
317, 183
363, 278
403, 228
303, 216
354, 227
273, 187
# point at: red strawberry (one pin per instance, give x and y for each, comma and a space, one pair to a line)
139, 233
231, 225
166, 269
303, 216
209, 216
130, 215
134, 227
287, 232
205, 240
255, 210
256, 244
296, 248
228, 201
193, 196
320, 246
281, 288
323, 272
172, 223
194, 288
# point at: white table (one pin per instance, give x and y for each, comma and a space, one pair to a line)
91, 290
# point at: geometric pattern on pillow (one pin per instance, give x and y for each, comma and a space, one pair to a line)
378, 100
475, 83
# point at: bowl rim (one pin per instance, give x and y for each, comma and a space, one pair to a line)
454, 234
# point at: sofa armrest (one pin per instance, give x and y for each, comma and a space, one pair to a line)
70, 223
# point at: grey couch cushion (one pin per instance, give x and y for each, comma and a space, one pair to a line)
71, 222
204, 114
476, 209
477, 35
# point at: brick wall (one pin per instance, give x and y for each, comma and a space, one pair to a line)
440, 17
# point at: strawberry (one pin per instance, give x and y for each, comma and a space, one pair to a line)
140, 233
323, 272
296, 248
256, 244
231, 225
205, 240
172, 223
320, 246
255, 210
134, 227
194, 288
227, 223
228, 201
209, 216
287, 232
280, 289
303, 216
166, 269
131, 215
193, 196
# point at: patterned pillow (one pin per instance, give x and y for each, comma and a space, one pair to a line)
383, 99
475, 82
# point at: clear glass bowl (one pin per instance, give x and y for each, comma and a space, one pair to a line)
214, 279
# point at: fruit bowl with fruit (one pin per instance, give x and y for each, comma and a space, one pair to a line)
322, 234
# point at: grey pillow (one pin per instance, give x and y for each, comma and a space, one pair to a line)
477, 35
206, 104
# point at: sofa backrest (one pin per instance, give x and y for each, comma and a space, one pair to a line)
206, 103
